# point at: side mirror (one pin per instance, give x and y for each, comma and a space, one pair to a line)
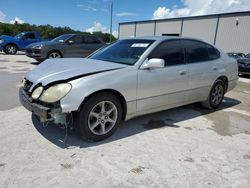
70, 42
154, 63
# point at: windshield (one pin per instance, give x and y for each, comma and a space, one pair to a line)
124, 51
248, 55
19, 35
61, 38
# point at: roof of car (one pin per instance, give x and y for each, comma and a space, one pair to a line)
161, 38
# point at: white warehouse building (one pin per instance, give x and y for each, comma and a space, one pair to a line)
228, 31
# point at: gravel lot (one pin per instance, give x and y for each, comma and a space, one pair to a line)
182, 147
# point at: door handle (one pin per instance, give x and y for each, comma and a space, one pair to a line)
214, 68
183, 72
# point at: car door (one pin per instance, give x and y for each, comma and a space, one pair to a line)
73, 46
27, 39
164, 87
91, 44
202, 67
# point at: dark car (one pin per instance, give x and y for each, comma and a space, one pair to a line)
67, 45
244, 64
236, 55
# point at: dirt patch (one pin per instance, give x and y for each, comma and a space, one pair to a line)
189, 159
138, 170
67, 165
247, 156
2, 164
188, 128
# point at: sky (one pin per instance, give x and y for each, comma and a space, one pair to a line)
87, 15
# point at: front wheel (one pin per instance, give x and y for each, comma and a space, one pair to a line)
216, 95
99, 117
10, 49
54, 54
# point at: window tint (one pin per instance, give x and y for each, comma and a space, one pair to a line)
212, 52
91, 40
77, 39
171, 51
30, 36
196, 51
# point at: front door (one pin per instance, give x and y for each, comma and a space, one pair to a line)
164, 87
73, 46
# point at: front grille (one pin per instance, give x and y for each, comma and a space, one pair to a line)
27, 85
29, 51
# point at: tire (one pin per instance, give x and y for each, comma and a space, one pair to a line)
216, 95
99, 117
10, 49
54, 54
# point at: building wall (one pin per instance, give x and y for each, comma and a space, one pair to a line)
200, 28
228, 36
126, 31
169, 27
232, 37
145, 29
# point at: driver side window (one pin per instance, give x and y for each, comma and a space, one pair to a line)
171, 51
77, 39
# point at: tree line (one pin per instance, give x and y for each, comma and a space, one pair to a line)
47, 31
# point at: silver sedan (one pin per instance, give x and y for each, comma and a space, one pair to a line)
128, 78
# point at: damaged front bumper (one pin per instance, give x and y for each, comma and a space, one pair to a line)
45, 113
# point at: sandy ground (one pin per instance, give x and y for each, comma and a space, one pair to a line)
182, 147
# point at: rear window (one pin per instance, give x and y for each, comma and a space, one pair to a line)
213, 52
196, 51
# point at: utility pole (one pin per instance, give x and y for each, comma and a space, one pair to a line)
111, 20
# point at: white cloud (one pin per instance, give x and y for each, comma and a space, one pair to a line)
125, 14
202, 7
18, 20
2, 16
97, 27
115, 33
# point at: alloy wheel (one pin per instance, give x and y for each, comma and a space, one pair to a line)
54, 55
217, 94
102, 118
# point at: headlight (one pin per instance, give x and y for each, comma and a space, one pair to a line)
55, 93
39, 46
1, 41
37, 93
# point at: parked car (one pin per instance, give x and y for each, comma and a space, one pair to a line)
10, 45
236, 55
128, 78
244, 64
67, 45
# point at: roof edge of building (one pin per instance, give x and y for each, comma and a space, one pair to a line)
188, 17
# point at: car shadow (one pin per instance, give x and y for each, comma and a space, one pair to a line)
36, 63
163, 119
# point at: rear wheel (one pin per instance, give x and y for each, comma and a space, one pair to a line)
216, 95
10, 49
54, 54
99, 117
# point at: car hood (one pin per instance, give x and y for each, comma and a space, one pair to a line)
66, 69
244, 60
6, 37
45, 43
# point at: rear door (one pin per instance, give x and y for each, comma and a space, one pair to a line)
202, 67
164, 87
